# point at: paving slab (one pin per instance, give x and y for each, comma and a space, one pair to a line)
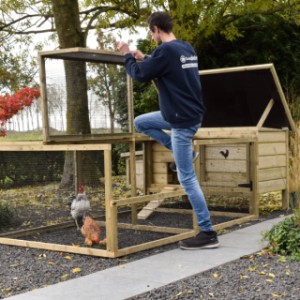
128, 280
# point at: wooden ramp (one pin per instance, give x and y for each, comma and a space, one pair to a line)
152, 205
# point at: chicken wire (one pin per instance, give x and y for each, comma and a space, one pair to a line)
106, 92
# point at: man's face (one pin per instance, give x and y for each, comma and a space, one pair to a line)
155, 35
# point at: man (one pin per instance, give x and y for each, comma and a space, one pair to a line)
173, 66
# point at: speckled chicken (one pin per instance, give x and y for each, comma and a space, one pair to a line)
79, 205
90, 230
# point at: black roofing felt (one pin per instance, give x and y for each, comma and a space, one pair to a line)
238, 98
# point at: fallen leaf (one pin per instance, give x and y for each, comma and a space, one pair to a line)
76, 270
64, 277
243, 276
271, 275
287, 272
211, 294
277, 295
269, 280
262, 273
252, 268
51, 263
68, 257
215, 275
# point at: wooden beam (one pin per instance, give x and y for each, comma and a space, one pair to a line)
265, 113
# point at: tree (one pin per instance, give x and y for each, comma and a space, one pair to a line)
195, 21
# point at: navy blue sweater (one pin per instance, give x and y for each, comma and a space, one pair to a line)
174, 68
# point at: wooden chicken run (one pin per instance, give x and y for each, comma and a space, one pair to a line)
243, 147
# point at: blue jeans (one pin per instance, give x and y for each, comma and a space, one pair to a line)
181, 143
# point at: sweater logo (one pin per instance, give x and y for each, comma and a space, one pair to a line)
184, 58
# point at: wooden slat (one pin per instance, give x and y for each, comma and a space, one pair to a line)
226, 132
226, 165
271, 174
147, 198
272, 185
265, 162
235, 222
265, 113
57, 247
160, 168
271, 148
236, 152
276, 136
162, 156
227, 177
39, 146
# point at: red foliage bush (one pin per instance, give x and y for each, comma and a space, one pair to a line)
10, 105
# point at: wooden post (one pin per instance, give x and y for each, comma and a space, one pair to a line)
286, 191
254, 201
110, 210
44, 98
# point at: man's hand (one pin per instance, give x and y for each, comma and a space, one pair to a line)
123, 48
138, 54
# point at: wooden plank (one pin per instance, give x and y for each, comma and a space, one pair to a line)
152, 205
235, 152
226, 166
226, 132
224, 184
283, 99
223, 141
265, 113
271, 148
228, 191
160, 168
265, 162
162, 156
228, 214
253, 169
157, 147
272, 185
162, 179
160, 229
156, 243
227, 177
39, 146
267, 137
57, 247
147, 198
235, 222
271, 174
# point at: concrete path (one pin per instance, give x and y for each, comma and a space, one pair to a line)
143, 275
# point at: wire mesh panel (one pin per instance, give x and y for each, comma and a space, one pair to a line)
85, 95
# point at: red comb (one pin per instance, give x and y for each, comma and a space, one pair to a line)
81, 188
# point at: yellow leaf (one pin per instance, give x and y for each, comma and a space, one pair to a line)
51, 263
276, 295
244, 276
269, 280
216, 275
178, 294
262, 273
68, 257
76, 270
211, 294
287, 272
252, 268
271, 275
6, 289
64, 277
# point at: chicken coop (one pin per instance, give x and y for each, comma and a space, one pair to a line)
243, 141
243, 147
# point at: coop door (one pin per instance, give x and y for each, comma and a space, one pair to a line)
225, 166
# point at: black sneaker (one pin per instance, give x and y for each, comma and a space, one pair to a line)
203, 240
172, 166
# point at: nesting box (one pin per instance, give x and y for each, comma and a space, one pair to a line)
243, 141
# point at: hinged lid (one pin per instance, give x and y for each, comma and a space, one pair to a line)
245, 96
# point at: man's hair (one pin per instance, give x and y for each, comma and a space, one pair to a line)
162, 20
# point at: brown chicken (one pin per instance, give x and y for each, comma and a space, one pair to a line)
90, 230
